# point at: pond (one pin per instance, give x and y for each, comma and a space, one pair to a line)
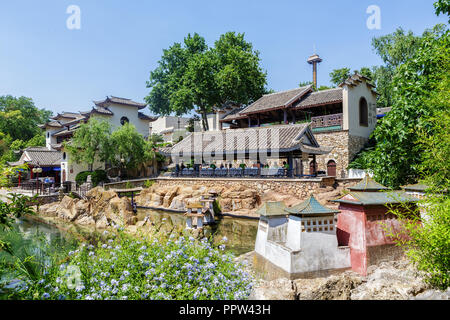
239, 232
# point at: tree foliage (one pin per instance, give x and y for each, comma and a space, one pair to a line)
19, 120
191, 76
90, 142
398, 155
130, 146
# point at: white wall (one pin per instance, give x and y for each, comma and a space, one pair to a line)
351, 97
142, 126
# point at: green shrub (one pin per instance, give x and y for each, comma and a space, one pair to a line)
148, 268
97, 176
426, 239
82, 177
149, 183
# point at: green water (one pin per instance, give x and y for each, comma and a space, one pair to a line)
240, 233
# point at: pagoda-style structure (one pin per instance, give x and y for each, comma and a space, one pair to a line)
199, 213
299, 241
364, 218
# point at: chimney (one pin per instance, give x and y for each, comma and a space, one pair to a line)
314, 60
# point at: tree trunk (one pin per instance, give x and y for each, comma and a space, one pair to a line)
204, 120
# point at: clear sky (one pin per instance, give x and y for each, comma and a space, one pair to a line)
120, 42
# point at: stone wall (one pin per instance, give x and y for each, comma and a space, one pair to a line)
300, 188
345, 147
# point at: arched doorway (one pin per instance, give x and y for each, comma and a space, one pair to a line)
312, 167
331, 168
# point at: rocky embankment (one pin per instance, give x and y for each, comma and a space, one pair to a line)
238, 200
101, 209
394, 280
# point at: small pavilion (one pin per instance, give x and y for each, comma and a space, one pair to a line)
365, 215
299, 241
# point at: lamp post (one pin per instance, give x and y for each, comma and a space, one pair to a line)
37, 171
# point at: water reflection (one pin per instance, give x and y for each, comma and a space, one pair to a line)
240, 233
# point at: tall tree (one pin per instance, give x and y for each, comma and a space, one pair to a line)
337, 76
194, 77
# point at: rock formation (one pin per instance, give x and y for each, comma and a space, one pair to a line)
102, 208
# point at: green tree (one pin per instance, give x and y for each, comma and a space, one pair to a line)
337, 76
194, 77
19, 117
129, 146
398, 155
90, 142
442, 6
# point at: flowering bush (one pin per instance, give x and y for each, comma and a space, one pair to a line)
149, 268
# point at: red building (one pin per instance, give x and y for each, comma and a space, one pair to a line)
364, 222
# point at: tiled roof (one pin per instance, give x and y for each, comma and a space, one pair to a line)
146, 117
276, 100
234, 114
272, 208
283, 138
318, 98
113, 99
53, 124
42, 156
102, 110
416, 187
310, 207
376, 198
356, 79
368, 184
71, 115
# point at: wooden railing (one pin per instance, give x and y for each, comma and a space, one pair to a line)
327, 121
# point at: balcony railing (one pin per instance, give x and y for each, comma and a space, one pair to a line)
331, 120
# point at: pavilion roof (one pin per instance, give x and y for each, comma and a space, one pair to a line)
310, 207
376, 198
276, 100
283, 138
318, 98
125, 101
368, 184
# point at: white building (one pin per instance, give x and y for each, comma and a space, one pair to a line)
170, 128
299, 241
114, 110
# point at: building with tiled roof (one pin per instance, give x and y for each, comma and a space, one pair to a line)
114, 110
341, 118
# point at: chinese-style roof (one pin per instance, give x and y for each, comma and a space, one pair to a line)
420, 187
194, 205
318, 98
356, 79
125, 101
376, 198
283, 138
146, 117
310, 207
368, 184
70, 115
40, 156
51, 124
102, 110
234, 115
276, 100
272, 208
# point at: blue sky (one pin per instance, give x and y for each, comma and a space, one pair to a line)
120, 42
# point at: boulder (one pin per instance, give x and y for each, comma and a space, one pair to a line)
279, 289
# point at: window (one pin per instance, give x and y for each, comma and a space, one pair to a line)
48, 134
64, 156
124, 120
363, 113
